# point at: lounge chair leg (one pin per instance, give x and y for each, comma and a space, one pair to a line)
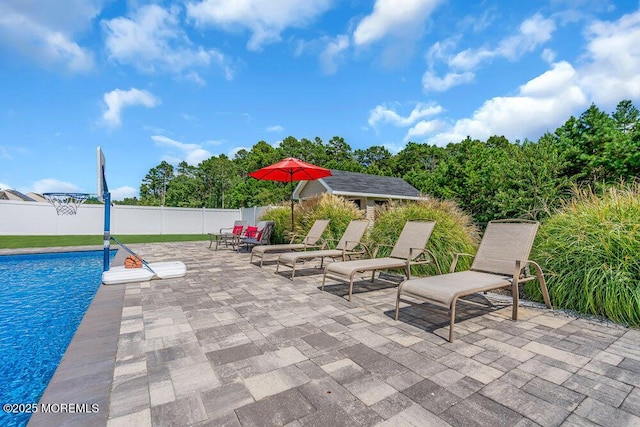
514, 290
452, 320
278, 265
324, 276
350, 286
251, 258
293, 269
398, 301
373, 276
261, 260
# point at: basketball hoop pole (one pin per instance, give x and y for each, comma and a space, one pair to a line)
107, 221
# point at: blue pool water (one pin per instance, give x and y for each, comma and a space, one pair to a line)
43, 298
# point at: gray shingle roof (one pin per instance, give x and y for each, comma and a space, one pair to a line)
361, 183
15, 195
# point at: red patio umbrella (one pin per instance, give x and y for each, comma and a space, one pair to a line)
289, 170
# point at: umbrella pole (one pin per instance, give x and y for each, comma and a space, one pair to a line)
291, 203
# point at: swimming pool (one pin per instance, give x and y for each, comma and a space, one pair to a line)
43, 298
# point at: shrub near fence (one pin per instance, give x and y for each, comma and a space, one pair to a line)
32, 218
590, 253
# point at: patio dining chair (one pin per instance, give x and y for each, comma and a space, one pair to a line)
350, 245
310, 241
228, 235
500, 262
410, 249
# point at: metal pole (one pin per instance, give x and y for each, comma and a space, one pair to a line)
291, 180
107, 230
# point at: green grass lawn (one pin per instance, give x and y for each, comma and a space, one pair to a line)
16, 242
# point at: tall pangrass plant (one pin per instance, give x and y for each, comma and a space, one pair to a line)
325, 206
454, 231
590, 253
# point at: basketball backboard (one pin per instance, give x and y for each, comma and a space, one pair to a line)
101, 178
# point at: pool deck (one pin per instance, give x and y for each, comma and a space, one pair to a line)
231, 344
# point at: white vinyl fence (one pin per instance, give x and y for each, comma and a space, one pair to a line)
33, 218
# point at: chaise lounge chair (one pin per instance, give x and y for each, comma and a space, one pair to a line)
502, 256
348, 246
258, 235
409, 250
228, 235
309, 241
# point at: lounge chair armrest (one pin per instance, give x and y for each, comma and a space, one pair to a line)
367, 251
225, 228
358, 248
377, 249
293, 237
425, 257
456, 256
325, 243
541, 280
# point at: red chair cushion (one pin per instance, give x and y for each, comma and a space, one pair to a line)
237, 230
251, 231
259, 236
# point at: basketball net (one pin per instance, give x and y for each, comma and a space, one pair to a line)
66, 203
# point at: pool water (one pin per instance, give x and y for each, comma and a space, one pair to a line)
43, 298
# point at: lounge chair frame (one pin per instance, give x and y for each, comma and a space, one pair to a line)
264, 227
405, 253
486, 273
312, 240
349, 246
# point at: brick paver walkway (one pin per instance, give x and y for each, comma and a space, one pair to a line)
233, 344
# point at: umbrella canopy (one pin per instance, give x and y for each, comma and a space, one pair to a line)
289, 170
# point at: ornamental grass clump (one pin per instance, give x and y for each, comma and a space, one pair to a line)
590, 253
326, 206
454, 231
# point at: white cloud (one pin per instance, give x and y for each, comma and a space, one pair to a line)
469, 59
382, 114
276, 128
431, 82
333, 53
612, 60
532, 33
118, 99
51, 185
265, 19
423, 128
393, 17
44, 31
193, 154
152, 40
4, 186
548, 55
542, 104
123, 192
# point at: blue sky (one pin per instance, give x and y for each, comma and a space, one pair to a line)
183, 80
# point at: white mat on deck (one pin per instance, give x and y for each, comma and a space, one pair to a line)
163, 270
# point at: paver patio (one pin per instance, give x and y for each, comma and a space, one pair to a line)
233, 344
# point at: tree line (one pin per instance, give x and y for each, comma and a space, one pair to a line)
489, 179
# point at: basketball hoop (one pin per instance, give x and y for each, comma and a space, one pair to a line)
66, 203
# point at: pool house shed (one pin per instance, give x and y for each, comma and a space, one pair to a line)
364, 190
